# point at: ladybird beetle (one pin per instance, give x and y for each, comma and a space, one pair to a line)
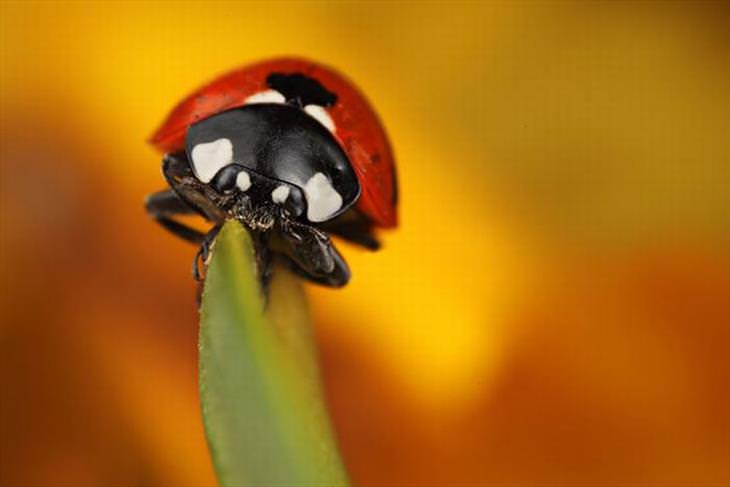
289, 148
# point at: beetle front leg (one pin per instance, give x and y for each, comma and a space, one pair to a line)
313, 255
355, 230
203, 252
163, 206
196, 195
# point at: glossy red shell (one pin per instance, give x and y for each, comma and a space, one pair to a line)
357, 127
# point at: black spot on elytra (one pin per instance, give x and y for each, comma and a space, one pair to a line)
301, 89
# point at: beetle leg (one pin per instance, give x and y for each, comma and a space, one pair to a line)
313, 255
203, 253
165, 204
354, 228
195, 194
337, 279
355, 232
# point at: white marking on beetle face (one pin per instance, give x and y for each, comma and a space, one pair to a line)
280, 194
209, 158
243, 180
322, 199
268, 96
320, 113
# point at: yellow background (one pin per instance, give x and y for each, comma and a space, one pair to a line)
554, 308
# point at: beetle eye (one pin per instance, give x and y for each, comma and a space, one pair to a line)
227, 179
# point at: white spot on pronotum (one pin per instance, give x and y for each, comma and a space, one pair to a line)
268, 96
280, 194
322, 199
243, 180
320, 113
209, 158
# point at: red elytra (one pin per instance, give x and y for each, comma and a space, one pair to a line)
357, 127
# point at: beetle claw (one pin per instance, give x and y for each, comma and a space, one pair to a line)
203, 253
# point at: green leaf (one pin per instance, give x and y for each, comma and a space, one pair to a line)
263, 409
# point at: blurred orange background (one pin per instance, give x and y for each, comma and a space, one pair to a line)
553, 310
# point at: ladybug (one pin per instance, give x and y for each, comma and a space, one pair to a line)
289, 148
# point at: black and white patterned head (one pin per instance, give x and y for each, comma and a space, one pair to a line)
278, 146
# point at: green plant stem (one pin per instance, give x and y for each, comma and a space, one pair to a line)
264, 413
